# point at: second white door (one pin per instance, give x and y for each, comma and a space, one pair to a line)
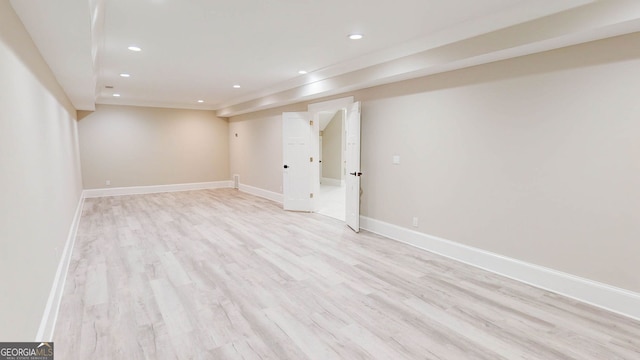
352, 204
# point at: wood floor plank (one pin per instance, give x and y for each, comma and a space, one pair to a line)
219, 274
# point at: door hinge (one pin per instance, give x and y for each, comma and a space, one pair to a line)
311, 159
311, 196
310, 122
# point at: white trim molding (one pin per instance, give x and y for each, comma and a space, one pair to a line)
270, 195
330, 105
617, 300
137, 190
50, 315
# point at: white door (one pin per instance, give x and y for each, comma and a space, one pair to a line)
299, 160
314, 155
320, 159
353, 167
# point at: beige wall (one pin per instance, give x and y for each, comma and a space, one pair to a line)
40, 183
256, 151
534, 158
332, 148
140, 146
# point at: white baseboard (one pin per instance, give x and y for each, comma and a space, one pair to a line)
50, 315
137, 190
261, 193
605, 296
331, 182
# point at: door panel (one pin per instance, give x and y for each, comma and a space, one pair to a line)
353, 167
314, 163
297, 181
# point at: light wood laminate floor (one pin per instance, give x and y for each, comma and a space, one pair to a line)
332, 201
218, 274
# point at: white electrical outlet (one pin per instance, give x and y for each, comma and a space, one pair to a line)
396, 160
108, 182
415, 221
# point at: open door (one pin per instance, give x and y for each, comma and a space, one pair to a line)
299, 153
352, 217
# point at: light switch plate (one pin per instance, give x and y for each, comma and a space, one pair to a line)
396, 159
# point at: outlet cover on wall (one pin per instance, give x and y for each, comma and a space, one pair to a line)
396, 160
415, 221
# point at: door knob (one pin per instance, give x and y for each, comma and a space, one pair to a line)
356, 173
286, 166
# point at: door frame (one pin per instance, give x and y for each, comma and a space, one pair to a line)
313, 111
335, 105
330, 105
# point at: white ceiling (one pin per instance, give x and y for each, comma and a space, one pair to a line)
198, 49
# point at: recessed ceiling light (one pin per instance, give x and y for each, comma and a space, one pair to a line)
200, 101
302, 72
236, 86
134, 48
125, 75
116, 95
355, 36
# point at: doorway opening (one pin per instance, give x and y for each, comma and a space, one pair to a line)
302, 171
332, 194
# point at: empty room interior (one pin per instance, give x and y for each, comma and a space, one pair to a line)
295, 179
